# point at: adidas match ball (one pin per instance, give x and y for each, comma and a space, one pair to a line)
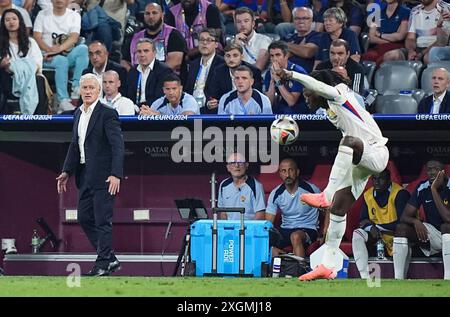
284, 131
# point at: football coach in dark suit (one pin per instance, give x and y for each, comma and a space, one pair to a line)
95, 156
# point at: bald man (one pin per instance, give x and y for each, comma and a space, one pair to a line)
439, 101
113, 98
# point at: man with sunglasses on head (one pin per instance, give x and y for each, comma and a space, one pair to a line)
241, 190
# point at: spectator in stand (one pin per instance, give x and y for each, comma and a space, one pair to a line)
116, 9
100, 63
17, 46
273, 13
255, 45
340, 57
233, 59
422, 31
170, 44
7, 4
145, 81
432, 235
299, 222
241, 190
192, 16
201, 70
390, 35
63, 54
113, 98
227, 9
380, 213
335, 21
304, 43
441, 52
244, 100
286, 97
355, 15
439, 101
174, 101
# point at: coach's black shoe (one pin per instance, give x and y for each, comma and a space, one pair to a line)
114, 266
96, 271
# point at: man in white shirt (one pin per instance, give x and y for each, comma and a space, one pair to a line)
362, 152
113, 98
62, 22
255, 45
422, 31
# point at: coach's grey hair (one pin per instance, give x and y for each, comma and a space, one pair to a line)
146, 40
336, 13
309, 10
90, 76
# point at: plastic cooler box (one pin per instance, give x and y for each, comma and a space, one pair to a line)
257, 250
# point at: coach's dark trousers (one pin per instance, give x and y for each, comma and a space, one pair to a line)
95, 211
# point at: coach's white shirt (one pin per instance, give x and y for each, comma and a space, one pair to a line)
82, 128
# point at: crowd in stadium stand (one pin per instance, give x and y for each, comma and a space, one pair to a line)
46, 45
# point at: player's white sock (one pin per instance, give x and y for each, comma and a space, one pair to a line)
446, 255
335, 232
342, 163
360, 252
402, 253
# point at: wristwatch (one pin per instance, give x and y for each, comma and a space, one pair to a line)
278, 83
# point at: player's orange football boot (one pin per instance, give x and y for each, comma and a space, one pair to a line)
315, 200
320, 272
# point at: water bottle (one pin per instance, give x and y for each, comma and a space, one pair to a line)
35, 241
380, 249
276, 267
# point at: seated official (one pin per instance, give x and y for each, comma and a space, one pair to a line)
244, 100
439, 101
112, 96
145, 81
174, 101
100, 63
298, 221
241, 190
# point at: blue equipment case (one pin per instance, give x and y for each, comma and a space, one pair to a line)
257, 252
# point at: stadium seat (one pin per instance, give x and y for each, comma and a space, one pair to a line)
364, 42
416, 65
397, 77
417, 94
369, 71
443, 64
396, 104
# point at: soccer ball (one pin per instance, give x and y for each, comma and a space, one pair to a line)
284, 131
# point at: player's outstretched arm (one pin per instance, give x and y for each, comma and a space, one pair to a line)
320, 88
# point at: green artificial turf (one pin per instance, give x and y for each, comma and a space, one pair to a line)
215, 287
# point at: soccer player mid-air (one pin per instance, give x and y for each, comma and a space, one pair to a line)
362, 152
